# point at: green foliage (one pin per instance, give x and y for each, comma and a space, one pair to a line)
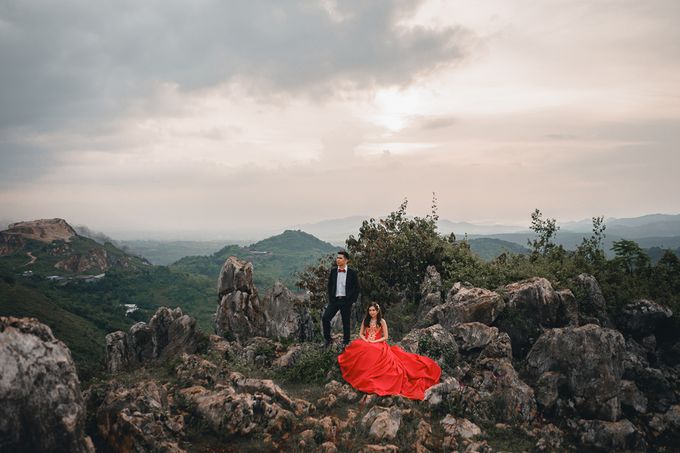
444, 353
276, 258
393, 253
311, 367
546, 231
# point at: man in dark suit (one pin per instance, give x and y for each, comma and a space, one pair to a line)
343, 291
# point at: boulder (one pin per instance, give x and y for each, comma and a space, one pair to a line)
139, 418
239, 313
168, 334
531, 306
591, 360
430, 292
460, 427
667, 423
287, 316
592, 306
642, 318
434, 341
465, 304
382, 422
488, 342
609, 436
229, 413
42, 406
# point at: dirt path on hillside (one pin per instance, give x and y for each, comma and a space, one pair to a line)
33, 259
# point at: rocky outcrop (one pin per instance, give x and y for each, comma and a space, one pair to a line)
95, 259
642, 318
484, 382
434, 341
139, 418
591, 303
44, 230
239, 313
531, 306
465, 304
42, 407
588, 360
168, 333
610, 436
287, 316
430, 292
382, 422
280, 314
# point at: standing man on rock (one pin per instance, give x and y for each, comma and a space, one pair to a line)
343, 291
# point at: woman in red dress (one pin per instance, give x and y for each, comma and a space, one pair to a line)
370, 365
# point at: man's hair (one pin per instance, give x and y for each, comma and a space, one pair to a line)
343, 253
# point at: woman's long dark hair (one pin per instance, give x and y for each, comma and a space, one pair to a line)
367, 318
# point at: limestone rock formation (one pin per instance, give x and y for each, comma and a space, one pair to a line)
591, 303
287, 317
642, 318
44, 230
168, 333
531, 306
239, 313
382, 422
139, 418
94, 259
590, 361
42, 407
430, 291
465, 304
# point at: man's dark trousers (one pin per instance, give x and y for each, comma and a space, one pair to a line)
344, 304
345, 307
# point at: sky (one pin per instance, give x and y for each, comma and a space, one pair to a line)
181, 117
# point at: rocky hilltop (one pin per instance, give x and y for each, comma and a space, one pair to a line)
526, 367
52, 246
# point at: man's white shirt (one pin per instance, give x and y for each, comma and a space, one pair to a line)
340, 284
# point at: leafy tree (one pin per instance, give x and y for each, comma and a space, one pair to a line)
392, 254
590, 252
630, 256
546, 231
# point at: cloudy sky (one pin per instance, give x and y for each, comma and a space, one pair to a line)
212, 115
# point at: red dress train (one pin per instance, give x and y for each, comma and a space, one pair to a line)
387, 370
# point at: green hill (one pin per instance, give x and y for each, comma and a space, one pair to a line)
276, 258
489, 248
82, 312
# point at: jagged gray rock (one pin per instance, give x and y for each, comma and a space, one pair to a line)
430, 292
642, 317
609, 436
42, 407
139, 418
435, 334
169, 333
382, 422
239, 313
531, 306
591, 360
465, 304
287, 316
591, 303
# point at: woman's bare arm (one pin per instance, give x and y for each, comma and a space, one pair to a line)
361, 332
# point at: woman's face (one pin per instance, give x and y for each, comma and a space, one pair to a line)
372, 312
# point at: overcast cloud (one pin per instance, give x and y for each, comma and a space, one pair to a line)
176, 116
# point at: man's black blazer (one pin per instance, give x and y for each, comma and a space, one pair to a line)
351, 285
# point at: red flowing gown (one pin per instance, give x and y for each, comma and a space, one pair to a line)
387, 370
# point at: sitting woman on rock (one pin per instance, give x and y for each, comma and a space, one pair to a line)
370, 365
